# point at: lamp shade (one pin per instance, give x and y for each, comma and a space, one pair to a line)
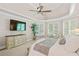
76, 31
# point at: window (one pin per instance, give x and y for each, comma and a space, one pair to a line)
52, 29
69, 26
39, 29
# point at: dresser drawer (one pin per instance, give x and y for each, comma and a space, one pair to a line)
10, 42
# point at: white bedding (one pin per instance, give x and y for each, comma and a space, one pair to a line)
44, 46
72, 44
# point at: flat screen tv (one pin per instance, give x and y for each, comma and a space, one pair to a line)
17, 25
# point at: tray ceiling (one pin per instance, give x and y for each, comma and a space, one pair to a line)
58, 9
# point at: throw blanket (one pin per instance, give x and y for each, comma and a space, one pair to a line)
45, 45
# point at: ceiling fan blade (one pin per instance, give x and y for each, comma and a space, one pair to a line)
47, 11
33, 10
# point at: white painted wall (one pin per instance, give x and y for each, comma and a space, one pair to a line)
5, 26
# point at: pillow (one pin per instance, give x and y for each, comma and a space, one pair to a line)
56, 36
62, 41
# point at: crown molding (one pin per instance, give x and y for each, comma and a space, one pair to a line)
14, 13
71, 10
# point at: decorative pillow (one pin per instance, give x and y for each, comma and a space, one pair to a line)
62, 41
77, 51
54, 36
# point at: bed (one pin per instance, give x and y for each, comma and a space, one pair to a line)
68, 49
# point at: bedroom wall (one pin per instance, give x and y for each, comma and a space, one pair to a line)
5, 26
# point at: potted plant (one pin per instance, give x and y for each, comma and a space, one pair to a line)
34, 31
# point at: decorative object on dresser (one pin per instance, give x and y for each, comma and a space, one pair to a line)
15, 40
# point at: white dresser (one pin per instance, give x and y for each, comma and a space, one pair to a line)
2, 43
15, 40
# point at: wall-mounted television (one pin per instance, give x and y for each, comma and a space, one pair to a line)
17, 25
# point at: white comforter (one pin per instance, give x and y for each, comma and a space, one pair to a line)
72, 44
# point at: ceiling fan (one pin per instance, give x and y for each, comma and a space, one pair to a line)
40, 9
